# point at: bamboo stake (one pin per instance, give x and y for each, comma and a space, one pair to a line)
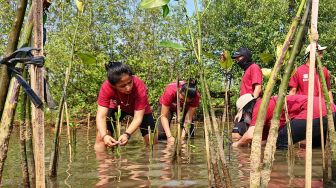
331, 128
68, 130
207, 147
11, 46
325, 173
273, 132
256, 142
309, 131
11, 101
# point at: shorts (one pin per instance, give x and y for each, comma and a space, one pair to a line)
146, 121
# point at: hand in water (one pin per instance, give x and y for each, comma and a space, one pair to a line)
123, 139
109, 141
171, 140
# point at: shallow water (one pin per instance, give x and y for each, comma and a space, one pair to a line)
139, 167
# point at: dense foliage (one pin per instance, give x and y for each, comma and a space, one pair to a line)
120, 31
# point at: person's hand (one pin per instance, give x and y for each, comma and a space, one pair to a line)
170, 140
109, 141
123, 139
235, 144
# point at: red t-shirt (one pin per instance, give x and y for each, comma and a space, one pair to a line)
300, 80
297, 109
137, 100
252, 75
169, 97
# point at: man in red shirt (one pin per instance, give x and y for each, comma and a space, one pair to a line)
126, 90
299, 81
252, 79
168, 106
297, 113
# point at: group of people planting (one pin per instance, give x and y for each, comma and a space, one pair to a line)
296, 103
128, 92
123, 94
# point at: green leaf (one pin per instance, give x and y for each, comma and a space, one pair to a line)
266, 57
80, 6
165, 10
147, 4
86, 58
226, 62
170, 44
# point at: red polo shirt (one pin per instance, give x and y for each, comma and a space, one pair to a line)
300, 80
252, 75
169, 97
137, 100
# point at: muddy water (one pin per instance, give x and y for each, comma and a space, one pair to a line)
139, 167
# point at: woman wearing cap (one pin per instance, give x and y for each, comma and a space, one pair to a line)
252, 79
126, 90
168, 106
297, 111
299, 81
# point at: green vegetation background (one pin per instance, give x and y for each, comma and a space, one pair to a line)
119, 31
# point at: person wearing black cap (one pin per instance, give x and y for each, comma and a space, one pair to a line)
252, 79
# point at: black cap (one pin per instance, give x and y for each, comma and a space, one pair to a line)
243, 52
240, 127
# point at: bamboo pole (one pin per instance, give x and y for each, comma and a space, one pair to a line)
29, 146
256, 142
331, 128
38, 87
311, 81
11, 101
11, 46
325, 173
273, 132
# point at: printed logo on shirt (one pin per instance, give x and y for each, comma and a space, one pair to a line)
305, 78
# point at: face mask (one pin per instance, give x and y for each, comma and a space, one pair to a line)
244, 64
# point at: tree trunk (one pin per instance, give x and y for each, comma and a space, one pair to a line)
256, 142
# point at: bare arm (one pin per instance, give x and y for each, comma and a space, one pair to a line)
101, 126
257, 90
292, 91
165, 122
188, 119
246, 138
137, 119
331, 97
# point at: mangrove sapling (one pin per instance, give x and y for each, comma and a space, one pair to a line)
273, 132
331, 128
311, 85
29, 145
289, 132
22, 115
11, 47
207, 148
256, 141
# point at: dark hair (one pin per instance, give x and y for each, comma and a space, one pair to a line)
115, 70
248, 108
192, 88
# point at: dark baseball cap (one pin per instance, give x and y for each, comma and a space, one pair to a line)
240, 127
242, 52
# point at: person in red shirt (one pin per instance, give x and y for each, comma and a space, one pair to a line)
299, 81
252, 79
168, 106
126, 90
297, 114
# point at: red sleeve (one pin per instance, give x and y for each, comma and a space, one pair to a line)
167, 98
141, 93
327, 77
196, 101
256, 75
105, 95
